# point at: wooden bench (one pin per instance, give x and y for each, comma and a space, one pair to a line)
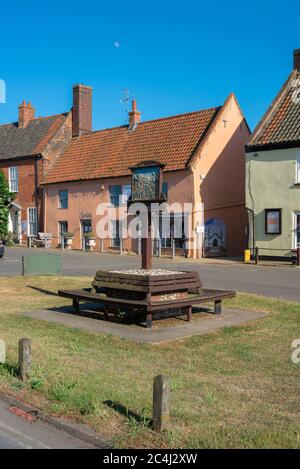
149, 306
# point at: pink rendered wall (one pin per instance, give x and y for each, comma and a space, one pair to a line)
219, 171
85, 196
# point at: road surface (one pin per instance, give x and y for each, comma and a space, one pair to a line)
17, 433
280, 282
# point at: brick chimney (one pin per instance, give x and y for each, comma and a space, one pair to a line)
297, 59
26, 114
82, 110
134, 116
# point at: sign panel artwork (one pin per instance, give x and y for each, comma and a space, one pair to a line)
215, 238
146, 183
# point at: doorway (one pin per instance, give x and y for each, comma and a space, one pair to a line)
14, 223
297, 230
86, 227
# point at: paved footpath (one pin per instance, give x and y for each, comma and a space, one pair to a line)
17, 433
209, 323
280, 282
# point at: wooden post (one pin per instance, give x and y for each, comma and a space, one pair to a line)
121, 246
24, 358
62, 242
256, 256
173, 249
2, 351
161, 403
101, 245
147, 245
298, 257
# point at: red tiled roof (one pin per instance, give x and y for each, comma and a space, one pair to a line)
280, 125
110, 152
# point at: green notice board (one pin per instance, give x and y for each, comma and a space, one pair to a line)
41, 264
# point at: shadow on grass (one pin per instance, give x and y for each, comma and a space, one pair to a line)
9, 369
41, 290
121, 409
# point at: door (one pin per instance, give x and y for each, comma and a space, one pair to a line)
115, 233
86, 227
62, 228
297, 230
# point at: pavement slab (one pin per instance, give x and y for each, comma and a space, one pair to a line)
209, 323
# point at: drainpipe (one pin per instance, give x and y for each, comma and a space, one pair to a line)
253, 226
36, 197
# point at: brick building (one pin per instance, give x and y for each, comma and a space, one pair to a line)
28, 149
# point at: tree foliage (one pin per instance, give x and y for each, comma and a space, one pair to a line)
5, 198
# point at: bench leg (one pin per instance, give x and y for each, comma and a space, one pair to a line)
76, 305
218, 307
189, 314
149, 320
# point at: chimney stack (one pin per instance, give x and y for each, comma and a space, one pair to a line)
26, 114
82, 110
297, 59
134, 116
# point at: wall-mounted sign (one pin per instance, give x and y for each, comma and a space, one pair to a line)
273, 221
85, 215
215, 240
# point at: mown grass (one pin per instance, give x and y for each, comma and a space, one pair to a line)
233, 388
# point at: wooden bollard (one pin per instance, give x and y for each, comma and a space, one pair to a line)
24, 358
161, 403
2, 351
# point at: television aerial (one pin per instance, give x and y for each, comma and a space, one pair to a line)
125, 100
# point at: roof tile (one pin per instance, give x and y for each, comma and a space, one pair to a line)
110, 152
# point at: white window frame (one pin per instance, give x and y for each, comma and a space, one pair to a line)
29, 222
298, 167
296, 213
13, 178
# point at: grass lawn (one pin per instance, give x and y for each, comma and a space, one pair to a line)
234, 388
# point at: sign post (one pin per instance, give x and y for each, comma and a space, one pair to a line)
146, 188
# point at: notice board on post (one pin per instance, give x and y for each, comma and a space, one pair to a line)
41, 264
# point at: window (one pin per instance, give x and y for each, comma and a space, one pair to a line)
62, 228
115, 233
298, 168
165, 188
126, 193
114, 195
63, 199
172, 226
273, 221
13, 179
32, 221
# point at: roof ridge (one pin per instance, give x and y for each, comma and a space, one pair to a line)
36, 118
215, 108
272, 109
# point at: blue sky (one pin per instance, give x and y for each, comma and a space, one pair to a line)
173, 56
